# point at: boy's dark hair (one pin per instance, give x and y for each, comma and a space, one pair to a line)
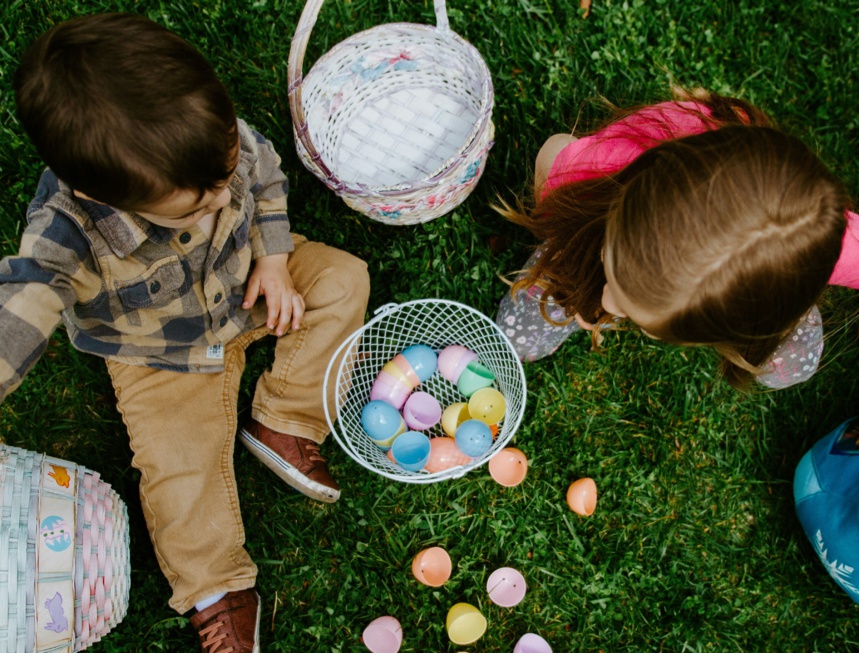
125, 111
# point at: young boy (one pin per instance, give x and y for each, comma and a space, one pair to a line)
159, 224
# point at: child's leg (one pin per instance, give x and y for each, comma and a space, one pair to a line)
520, 318
335, 286
182, 429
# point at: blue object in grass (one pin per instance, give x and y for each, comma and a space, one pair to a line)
826, 491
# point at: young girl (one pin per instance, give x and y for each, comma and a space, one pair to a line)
698, 221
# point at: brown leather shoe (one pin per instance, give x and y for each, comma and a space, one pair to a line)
295, 460
231, 625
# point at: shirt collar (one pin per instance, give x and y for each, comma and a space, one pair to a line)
124, 231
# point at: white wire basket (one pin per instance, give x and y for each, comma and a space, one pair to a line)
397, 119
64, 554
436, 323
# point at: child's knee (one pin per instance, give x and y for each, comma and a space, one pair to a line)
345, 281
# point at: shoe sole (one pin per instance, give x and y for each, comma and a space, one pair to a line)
286, 472
256, 648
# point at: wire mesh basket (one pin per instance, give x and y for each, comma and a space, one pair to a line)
436, 323
397, 119
64, 554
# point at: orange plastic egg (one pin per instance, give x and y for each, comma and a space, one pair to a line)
582, 496
444, 454
508, 467
432, 566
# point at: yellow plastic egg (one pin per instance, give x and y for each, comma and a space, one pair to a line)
487, 405
453, 416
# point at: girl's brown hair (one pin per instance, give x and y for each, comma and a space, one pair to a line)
728, 236
125, 111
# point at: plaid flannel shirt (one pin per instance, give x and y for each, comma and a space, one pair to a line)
134, 292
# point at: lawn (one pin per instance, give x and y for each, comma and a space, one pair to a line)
694, 545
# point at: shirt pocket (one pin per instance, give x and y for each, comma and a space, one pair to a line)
163, 282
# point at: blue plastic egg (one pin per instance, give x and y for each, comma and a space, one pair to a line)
382, 422
473, 437
411, 450
422, 359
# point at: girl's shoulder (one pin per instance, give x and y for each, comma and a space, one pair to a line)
619, 143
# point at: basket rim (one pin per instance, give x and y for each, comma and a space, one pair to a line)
381, 313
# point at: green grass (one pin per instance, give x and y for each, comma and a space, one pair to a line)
694, 545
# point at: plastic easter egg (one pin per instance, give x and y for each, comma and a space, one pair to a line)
506, 587
508, 467
383, 635
453, 416
411, 450
444, 454
452, 360
397, 372
389, 389
432, 566
473, 438
465, 624
487, 405
382, 422
422, 359
400, 361
532, 643
582, 496
421, 411
474, 377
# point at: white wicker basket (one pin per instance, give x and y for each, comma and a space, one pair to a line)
397, 120
64, 554
436, 323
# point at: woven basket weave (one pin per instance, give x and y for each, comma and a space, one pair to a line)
397, 120
436, 323
64, 555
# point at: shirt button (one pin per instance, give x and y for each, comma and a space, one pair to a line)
185, 238
154, 287
218, 298
224, 321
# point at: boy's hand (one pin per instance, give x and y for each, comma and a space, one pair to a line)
270, 277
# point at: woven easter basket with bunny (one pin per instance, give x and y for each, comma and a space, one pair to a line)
64, 554
397, 119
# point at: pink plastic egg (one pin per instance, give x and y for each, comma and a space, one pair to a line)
506, 587
452, 360
389, 389
444, 454
582, 496
532, 643
383, 635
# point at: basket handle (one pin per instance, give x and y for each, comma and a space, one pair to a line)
294, 76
